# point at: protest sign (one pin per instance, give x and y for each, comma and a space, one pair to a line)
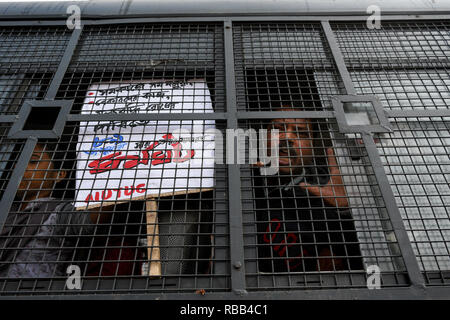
118, 160
123, 160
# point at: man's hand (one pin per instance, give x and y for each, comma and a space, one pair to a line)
333, 193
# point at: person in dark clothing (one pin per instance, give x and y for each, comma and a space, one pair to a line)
41, 231
42, 234
304, 223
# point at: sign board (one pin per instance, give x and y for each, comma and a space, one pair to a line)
120, 160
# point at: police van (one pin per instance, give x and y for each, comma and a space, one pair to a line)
225, 148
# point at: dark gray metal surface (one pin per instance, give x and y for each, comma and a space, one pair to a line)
17, 131
135, 8
234, 182
385, 188
408, 293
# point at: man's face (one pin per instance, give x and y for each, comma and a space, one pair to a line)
40, 177
296, 145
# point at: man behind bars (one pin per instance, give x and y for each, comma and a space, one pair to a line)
304, 223
41, 232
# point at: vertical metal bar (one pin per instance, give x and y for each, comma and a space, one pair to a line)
220, 232
16, 178
64, 64
402, 238
401, 235
248, 209
234, 181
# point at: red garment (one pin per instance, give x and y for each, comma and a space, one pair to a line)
122, 259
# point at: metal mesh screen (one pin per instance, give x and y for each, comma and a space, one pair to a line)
28, 56
293, 237
9, 152
165, 242
406, 65
416, 158
167, 52
320, 222
276, 63
134, 195
404, 45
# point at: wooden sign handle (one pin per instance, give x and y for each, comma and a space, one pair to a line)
153, 252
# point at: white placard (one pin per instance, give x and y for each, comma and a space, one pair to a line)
119, 161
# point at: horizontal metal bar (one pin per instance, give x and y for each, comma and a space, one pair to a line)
15, 23
8, 118
285, 114
394, 17
240, 115
253, 18
289, 17
146, 116
186, 19
418, 113
409, 293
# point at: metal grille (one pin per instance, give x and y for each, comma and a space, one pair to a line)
138, 52
406, 66
276, 63
416, 158
9, 151
403, 45
116, 256
290, 66
28, 58
339, 203
300, 237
